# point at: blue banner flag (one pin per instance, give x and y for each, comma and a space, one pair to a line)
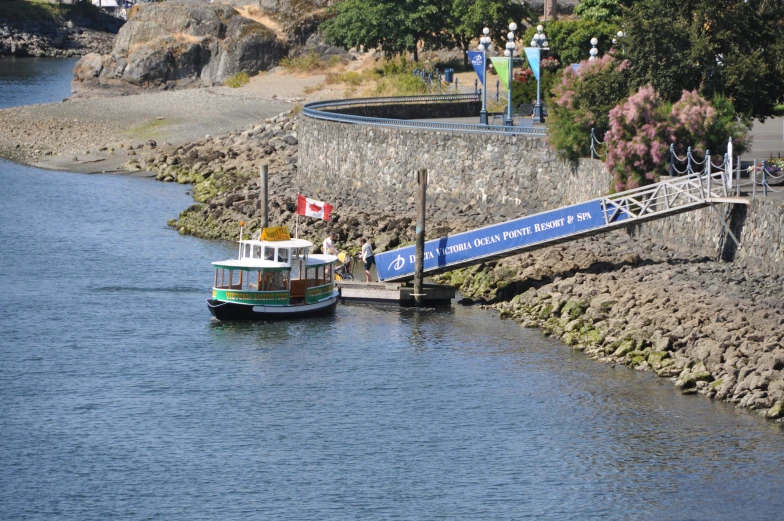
533, 54
477, 59
575, 67
496, 238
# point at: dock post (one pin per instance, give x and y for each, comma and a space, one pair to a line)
264, 196
419, 257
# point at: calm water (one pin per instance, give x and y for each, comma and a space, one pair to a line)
28, 81
120, 398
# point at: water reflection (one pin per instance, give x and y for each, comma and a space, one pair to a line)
28, 81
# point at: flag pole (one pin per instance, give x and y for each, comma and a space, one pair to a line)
296, 227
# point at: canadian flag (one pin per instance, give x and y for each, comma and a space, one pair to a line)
312, 208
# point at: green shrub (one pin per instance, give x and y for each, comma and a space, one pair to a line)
525, 91
397, 65
238, 80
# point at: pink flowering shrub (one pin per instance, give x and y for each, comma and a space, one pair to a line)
582, 100
643, 127
638, 139
706, 125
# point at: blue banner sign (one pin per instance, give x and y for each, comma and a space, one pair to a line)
477, 59
497, 238
534, 54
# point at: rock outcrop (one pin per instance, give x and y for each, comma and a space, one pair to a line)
179, 45
59, 37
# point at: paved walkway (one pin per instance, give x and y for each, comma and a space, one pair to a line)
768, 140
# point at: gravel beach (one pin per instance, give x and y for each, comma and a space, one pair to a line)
33, 133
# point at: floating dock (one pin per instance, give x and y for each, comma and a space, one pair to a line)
393, 293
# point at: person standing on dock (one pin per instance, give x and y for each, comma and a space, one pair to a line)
329, 246
367, 257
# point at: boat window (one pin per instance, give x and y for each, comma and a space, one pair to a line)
269, 253
257, 252
247, 251
283, 255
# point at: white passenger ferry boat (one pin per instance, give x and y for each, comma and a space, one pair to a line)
275, 277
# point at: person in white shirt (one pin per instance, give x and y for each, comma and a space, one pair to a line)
367, 257
329, 246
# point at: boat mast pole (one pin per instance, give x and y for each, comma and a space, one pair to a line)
239, 253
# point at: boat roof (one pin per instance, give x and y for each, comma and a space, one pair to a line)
290, 243
314, 260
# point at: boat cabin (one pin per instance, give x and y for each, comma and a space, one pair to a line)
274, 273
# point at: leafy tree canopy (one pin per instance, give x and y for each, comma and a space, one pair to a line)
600, 10
467, 18
730, 48
570, 40
400, 25
395, 26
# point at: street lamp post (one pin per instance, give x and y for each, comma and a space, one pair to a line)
594, 51
484, 45
618, 37
509, 53
540, 42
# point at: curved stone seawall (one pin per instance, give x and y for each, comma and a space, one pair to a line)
501, 177
495, 178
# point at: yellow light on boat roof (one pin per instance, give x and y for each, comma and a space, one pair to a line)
242, 223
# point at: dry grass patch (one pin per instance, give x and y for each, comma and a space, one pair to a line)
257, 15
310, 63
187, 38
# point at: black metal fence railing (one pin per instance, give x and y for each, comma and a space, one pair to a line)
321, 110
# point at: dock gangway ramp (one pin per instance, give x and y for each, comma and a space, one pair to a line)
568, 223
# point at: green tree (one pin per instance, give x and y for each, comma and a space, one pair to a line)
729, 48
465, 20
395, 26
570, 40
599, 10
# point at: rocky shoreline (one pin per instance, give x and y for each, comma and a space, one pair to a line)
711, 328
57, 38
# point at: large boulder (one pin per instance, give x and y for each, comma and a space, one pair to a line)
178, 45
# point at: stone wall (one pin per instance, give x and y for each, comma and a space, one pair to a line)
493, 178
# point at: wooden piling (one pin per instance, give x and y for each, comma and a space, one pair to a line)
419, 257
